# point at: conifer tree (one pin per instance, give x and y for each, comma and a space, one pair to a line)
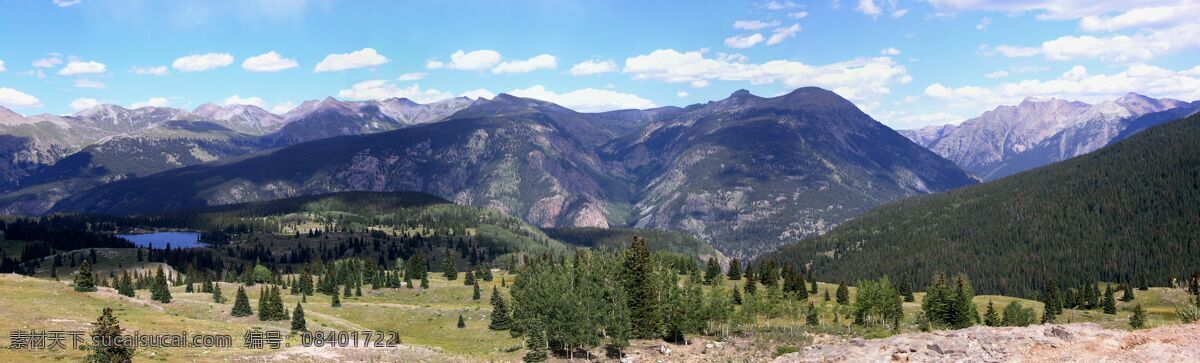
1110, 303
737, 295
843, 294
461, 322
160, 292
216, 294
990, 318
1127, 295
298, 322
535, 342
735, 269
53, 272
424, 281
264, 299
336, 302
751, 285
125, 286
85, 281
241, 304
1138, 320
713, 271
811, 317
500, 318
448, 268
105, 332
475, 295
812, 287
470, 278
640, 278
826, 294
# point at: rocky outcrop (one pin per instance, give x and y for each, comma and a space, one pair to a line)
1039, 343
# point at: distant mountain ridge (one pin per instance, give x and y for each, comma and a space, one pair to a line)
1011, 139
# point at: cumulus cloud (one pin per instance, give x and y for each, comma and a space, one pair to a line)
541, 61
984, 23
478, 93
589, 67
66, 3
868, 7
780, 34
478, 60
150, 70
80, 104
268, 62
81, 67
238, 100
997, 74
366, 57
202, 62
755, 24
13, 98
87, 83
682, 94
379, 89
1153, 16
283, 107
411, 76
586, 99
1076, 84
1049, 9
48, 62
890, 51
742, 42
152, 102
857, 79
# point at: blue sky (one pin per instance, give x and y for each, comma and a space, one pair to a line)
907, 63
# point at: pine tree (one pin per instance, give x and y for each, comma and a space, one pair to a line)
737, 295
751, 285
811, 317
826, 294
735, 269
160, 292
54, 272
1138, 320
1128, 294
812, 287
264, 299
1110, 303
105, 332
448, 268
461, 322
640, 278
500, 318
535, 341
241, 304
843, 294
125, 286
713, 271
336, 302
475, 295
85, 281
424, 281
216, 294
990, 318
298, 323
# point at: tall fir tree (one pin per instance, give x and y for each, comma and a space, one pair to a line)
241, 304
843, 294
535, 342
298, 322
640, 278
84, 280
500, 318
1138, 320
713, 271
810, 317
735, 269
990, 318
104, 334
216, 294
161, 291
336, 301
448, 268
1109, 303
475, 295
461, 322
1127, 294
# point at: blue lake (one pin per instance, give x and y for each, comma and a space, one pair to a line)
161, 239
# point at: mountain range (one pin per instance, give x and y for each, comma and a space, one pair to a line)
1036, 132
746, 173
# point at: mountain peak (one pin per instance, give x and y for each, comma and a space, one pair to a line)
740, 93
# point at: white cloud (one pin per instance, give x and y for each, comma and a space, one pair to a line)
152, 102
478, 60
1049, 9
80, 104
283, 107
1075, 84
899, 13
890, 51
868, 7
754, 24
857, 79
682, 94
87, 83
411, 76
589, 67
700, 83
744, 41
586, 99
984, 23
238, 100
34, 73
268, 62
380, 89
13, 98
150, 70
1153, 16
780, 34
48, 62
798, 15
997, 74
66, 3
478, 93
366, 57
81, 67
540, 61
1011, 51
1124, 48
202, 62
2, 66
779, 5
